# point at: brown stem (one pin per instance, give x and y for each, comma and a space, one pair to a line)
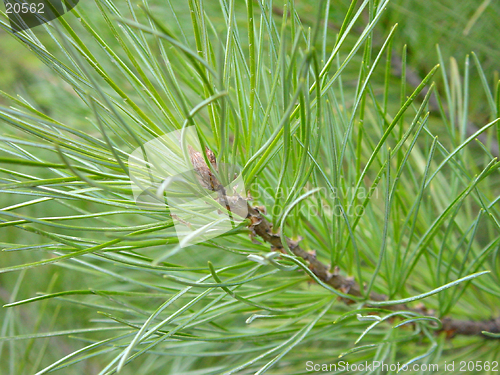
263, 228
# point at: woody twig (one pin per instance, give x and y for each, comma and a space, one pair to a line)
261, 226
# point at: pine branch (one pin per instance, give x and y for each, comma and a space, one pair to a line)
261, 227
